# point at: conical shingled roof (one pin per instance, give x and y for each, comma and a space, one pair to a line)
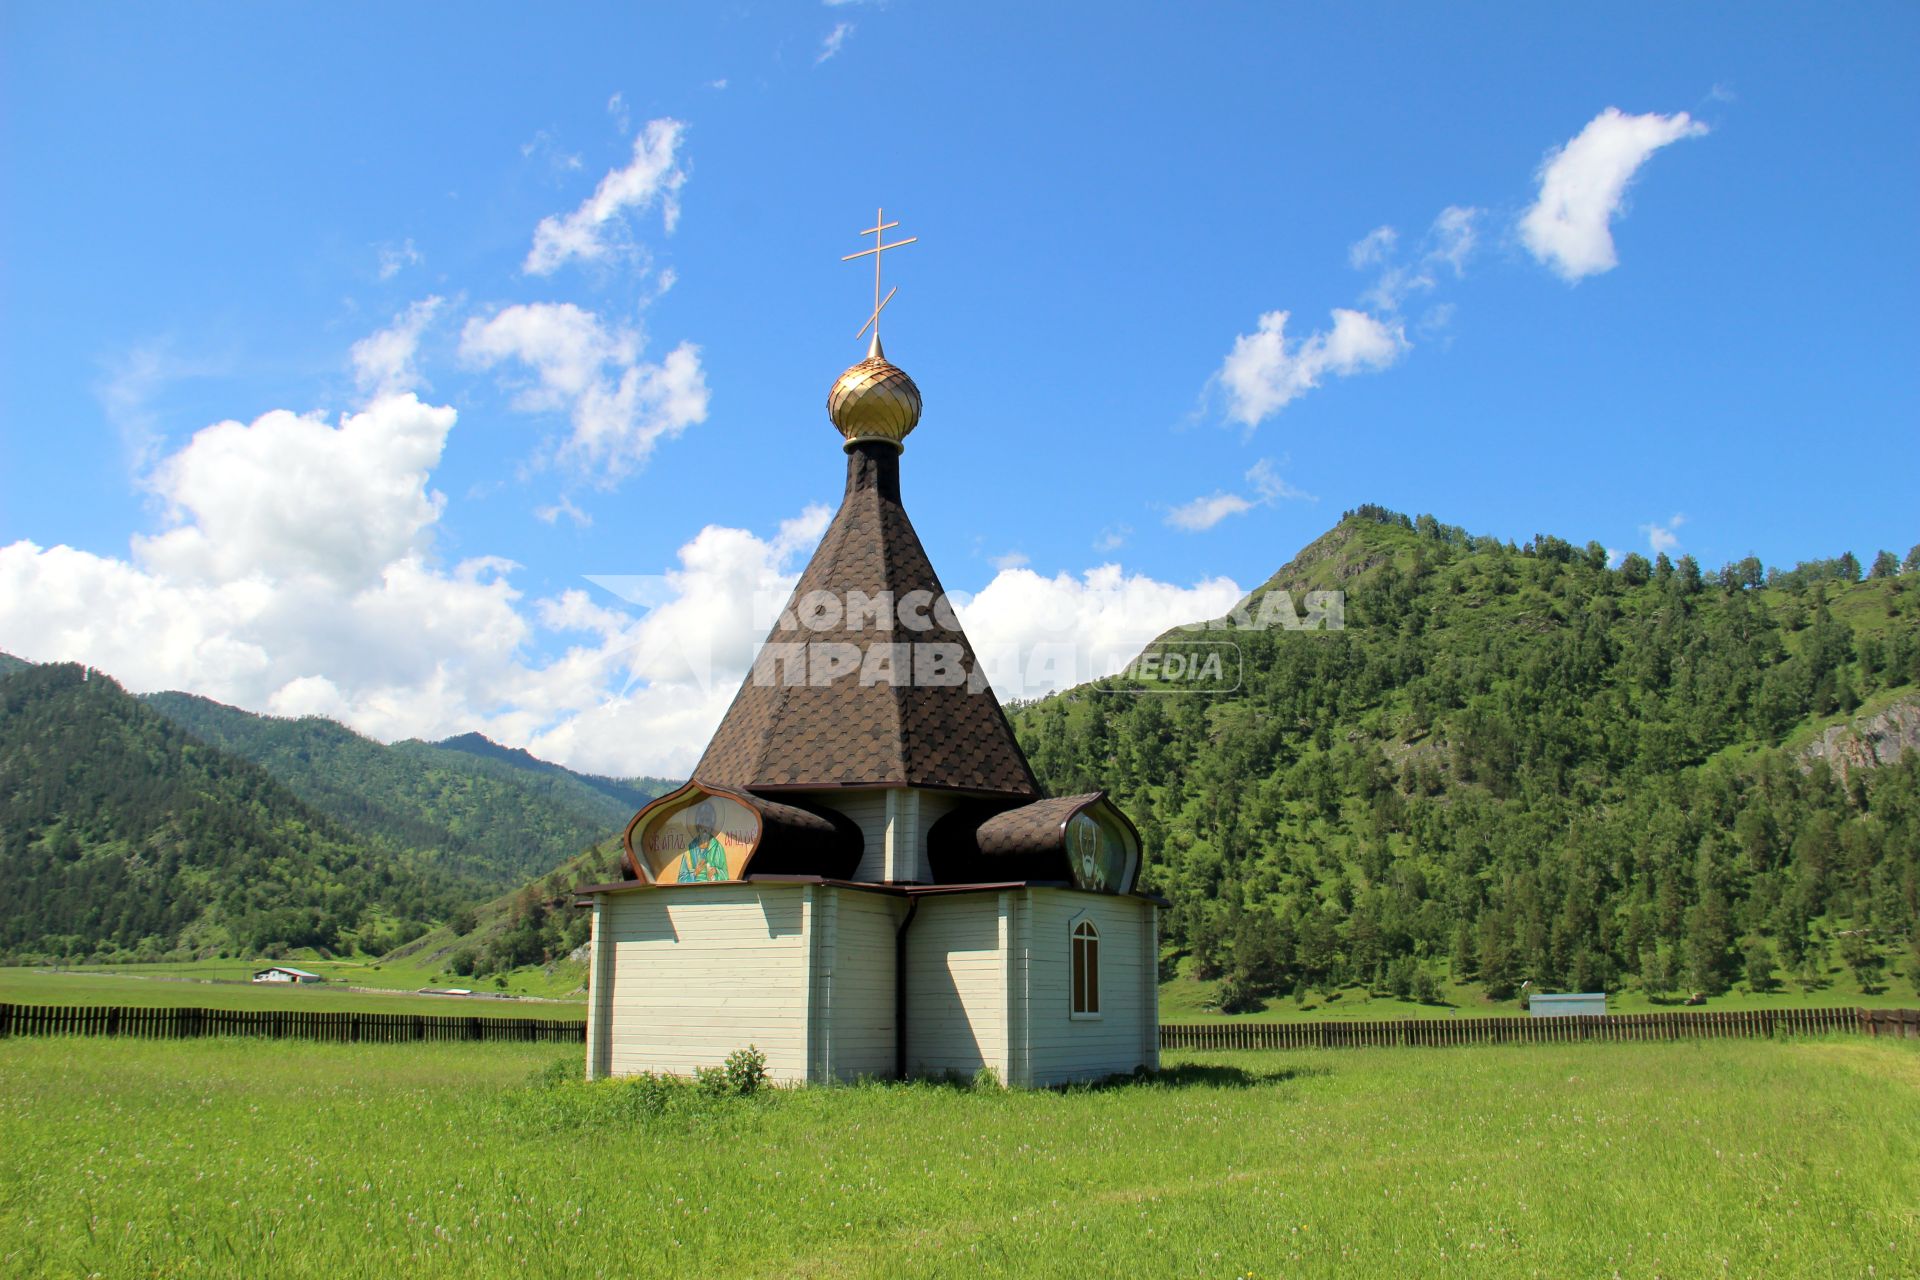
853, 729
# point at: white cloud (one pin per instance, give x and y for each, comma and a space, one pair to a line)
1263, 373
1583, 185
1664, 537
835, 38
383, 361
1448, 243
290, 496
670, 673
396, 258
296, 576
129, 389
563, 506
1204, 513
1452, 237
1011, 560
1372, 247
622, 118
1268, 488
654, 174
1113, 537
620, 405
1035, 635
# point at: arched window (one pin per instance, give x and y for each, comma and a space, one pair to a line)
1086, 970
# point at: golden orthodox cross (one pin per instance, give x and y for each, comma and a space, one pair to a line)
878, 231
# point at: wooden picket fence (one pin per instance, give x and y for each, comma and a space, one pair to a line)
277, 1024
1680, 1025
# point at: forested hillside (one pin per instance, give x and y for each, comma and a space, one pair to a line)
626, 795
498, 814
1519, 765
124, 837
536, 924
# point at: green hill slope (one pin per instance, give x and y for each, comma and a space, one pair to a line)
1518, 766
499, 814
123, 836
524, 941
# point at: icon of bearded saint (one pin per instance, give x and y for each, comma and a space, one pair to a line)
706, 858
1086, 847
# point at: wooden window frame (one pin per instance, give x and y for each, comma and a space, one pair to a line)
1083, 970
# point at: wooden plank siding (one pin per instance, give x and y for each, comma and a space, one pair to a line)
855, 1017
699, 972
956, 977
180, 1023
1058, 1047
1691, 1024
868, 811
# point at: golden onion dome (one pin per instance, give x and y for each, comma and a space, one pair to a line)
874, 400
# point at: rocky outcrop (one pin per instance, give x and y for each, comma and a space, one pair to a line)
1868, 741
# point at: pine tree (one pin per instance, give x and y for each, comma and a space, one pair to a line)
1759, 965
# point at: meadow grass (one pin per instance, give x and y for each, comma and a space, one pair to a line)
224, 985
405, 974
255, 1158
1185, 999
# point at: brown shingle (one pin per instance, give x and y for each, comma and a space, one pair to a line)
848, 733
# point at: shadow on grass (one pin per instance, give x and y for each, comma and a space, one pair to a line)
1204, 1075
1186, 1075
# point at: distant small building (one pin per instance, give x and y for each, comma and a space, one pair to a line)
1585, 1004
286, 973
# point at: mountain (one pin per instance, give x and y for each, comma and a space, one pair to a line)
123, 836
1519, 765
498, 814
627, 794
10, 664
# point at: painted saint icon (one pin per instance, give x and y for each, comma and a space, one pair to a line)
1096, 855
702, 840
706, 859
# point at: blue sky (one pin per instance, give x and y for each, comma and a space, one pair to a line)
1642, 276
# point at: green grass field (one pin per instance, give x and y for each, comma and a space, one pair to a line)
256, 1158
222, 984
406, 975
1185, 999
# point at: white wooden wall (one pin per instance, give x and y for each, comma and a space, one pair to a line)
683, 976
934, 805
957, 949
698, 972
868, 809
853, 1025
1055, 1048
893, 827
